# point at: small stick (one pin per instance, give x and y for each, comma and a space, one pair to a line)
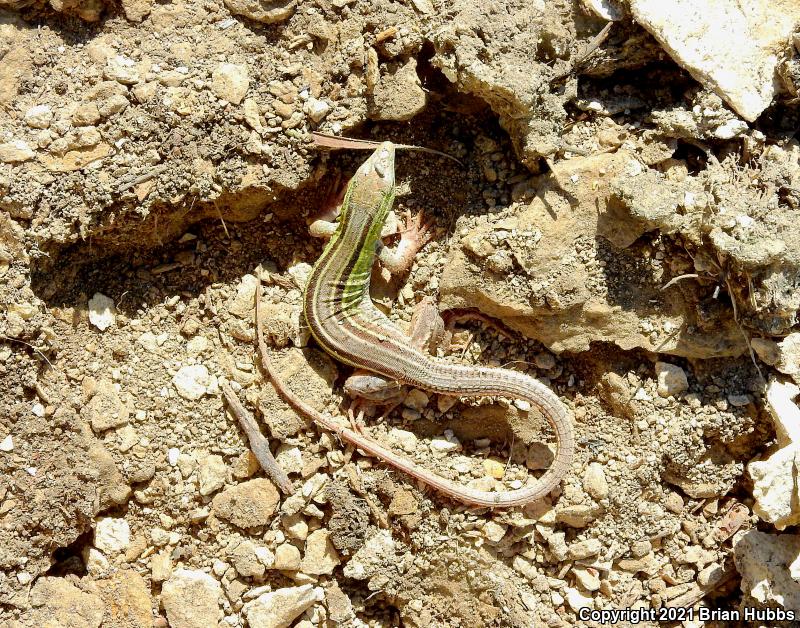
258, 444
142, 178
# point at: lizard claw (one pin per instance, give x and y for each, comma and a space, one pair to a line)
417, 231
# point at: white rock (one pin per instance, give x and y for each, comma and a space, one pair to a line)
443, 445
16, 151
378, 551
578, 600
768, 564
112, 535
610, 10
197, 345
731, 129
191, 599
671, 379
211, 473
192, 382
278, 609
316, 109
7, 444
122, 70
594, 481
95, 561
289, 457
774, 486
102, 313
230, 81
39, 116
407, 440
300, 273
173, 453
728, 46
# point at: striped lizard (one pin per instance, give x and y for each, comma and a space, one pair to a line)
346, 324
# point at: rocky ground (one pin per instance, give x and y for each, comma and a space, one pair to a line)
627, 205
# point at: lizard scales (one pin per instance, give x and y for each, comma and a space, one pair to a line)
345, 322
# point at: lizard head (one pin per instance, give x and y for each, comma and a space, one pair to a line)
378, 170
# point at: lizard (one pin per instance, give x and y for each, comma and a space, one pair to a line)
346, 323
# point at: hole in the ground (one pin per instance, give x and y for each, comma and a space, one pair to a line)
69, 560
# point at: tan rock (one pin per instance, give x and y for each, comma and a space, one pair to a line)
106, 410
287, 557
58, 602
398, 95
86, 114
248, 505
266, 11
160, 566
212, 473
16, 151
594, 481
320, 555
278, 609
191, 599
230, 81
127, 600
137, 10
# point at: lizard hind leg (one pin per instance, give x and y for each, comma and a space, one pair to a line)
371, 389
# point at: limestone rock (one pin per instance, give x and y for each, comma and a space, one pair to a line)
278, 609
774, 479
102, 312
230, 81
212, 473
770, 567
112, 535
127, 600
192, 381
783, 355
672, 379
88, 10
58, 602
730, 47
122, 70
320, 556
287, 557
106, 409
137, 10
39, 116
266, 11
16, 151
191, 599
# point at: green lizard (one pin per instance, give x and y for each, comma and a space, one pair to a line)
345, 322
